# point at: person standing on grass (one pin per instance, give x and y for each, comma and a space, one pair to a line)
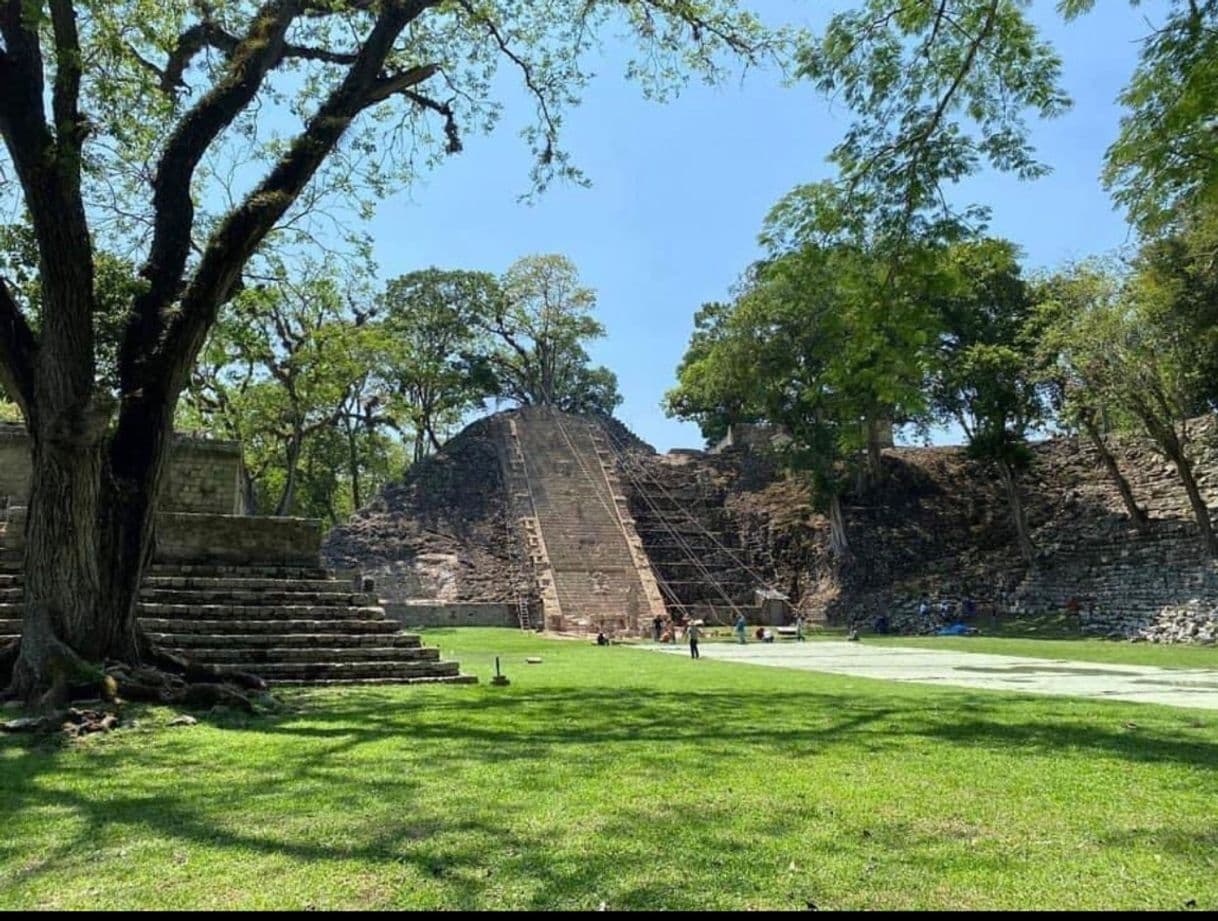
740, 629
799, 627
657, 627
692, 635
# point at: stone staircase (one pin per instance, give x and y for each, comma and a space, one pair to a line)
288, 624
689, 539
592, 572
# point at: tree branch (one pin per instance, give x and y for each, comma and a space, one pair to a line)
244, 229
173, 206
18, 351
69, 128
208, 34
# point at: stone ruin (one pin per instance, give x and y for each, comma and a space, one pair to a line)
233, 590
538, 519
531, 518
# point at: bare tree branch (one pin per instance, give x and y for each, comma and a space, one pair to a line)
172, 202
244, 229
18, 352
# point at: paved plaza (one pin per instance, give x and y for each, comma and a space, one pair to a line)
1176, 687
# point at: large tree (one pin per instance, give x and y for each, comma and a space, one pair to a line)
819, 343
153, 121
541, 323
1068, 342
984, 375
438, 370
290, 362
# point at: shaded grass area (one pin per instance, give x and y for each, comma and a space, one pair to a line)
620, 776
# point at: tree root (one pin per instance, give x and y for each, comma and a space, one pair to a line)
8, 661
159, 678
70, 722
194, 672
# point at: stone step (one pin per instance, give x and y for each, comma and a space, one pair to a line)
190, 641
255, 658
245, 584
266, 625
239, 596
218, 570
221, 612
340, 671
443, 679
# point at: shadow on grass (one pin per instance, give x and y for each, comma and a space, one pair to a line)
334, 737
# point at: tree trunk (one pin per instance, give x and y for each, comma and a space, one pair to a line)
1165, 436
1026, 549
875, 449
1201, 512
1136, 514
353, 465
838, 542
288, 497
249, 494
89, 538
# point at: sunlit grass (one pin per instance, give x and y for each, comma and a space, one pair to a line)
620, 776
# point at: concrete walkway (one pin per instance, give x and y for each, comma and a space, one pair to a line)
1191, 687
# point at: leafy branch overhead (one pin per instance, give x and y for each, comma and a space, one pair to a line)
193, 137
937, 89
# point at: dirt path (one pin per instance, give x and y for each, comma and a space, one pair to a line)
1195, 687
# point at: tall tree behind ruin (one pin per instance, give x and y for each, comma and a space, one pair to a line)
105, 125
436, 324
541, 324
1065, 363
290, 361
983, 377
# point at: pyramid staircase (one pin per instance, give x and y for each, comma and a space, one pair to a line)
287, 624
589, 566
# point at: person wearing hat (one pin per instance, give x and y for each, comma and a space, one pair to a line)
692, 633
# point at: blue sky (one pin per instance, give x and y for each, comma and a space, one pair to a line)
679, 192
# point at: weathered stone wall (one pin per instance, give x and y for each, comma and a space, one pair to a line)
199, 538
1122, 588
192, 537
204, 475
14, 461
440, 532
454, 614
939, 525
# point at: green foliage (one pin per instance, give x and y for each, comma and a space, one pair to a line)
984, 376
936, 90
820, 341
1067, 305
115, 283
1162, 163
437, 371
292, 370
713, 376
540, 325
137, 85
1133, 346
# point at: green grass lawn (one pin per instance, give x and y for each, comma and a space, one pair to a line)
626, 777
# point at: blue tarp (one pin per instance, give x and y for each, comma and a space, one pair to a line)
953, 630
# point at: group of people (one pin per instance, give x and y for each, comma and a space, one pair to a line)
968, 608
665, 632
